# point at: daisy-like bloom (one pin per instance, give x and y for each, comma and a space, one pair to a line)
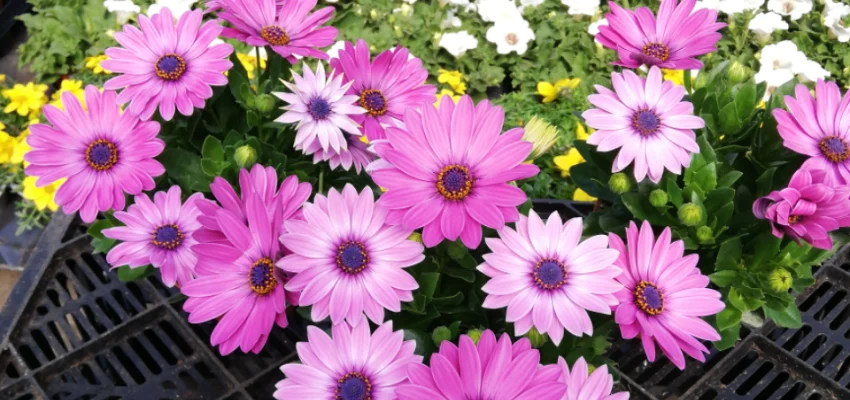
158, 233
510, 35
93, 63
321, 108
167, 65
385, 87
353, 365
664, 295
489, 370
582, 385
673, 40
547, 278
287, 27
347, 260
647, 120
809, 208
448, 170
25, 99
794, 9
236, 278
103, 152
358, 154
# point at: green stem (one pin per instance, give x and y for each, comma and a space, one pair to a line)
259, 78
687, 82
321, 180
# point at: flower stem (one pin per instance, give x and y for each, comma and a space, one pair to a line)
321, 180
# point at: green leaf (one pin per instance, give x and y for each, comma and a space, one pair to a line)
728, 338
729, 121
462, 274
184, 167
212, 149
424, 343
706, 150
674, 192
741, 299
428, 283
788, 317
745, 101
127, 274
764, 183
452, 300
729, 255
456, 250
213, 168
729, 317
592, 180
96, 229
724, 278
765, 246
706, 178
726, 181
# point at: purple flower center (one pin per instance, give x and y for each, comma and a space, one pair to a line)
170, 67
655, 53
645, 122
353, 386
262, 276
374, 102
834, 149
101, 155
454, 182
351, 257
319, 108
648, 298
549, 274
167, 237
275, 35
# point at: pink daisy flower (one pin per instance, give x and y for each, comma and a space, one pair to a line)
385, 87
358, 154
354, 365
166, 65
448, 170
820, 129
236, 277
647, 120
673, 41
321, 108
159, 233
288, 27
489, 370
103, 153
664, 296
547, 278
347, 260
584, 386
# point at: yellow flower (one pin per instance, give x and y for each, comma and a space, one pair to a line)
581, 195
446, 92
249, 62
43, 197
70, 86
567, 161
550, 91
25, 99
582, 133
542, 136
762, 105
453, 79
93, 63
21, 148
677, 76
7, 146
2, 78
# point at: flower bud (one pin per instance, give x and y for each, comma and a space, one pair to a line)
245, 156
537, 339
474, 334
690, 214
441, 333
416, 237
780, 280
705, 234
542, 136
738, 72
658, 198
701, 81
264, 103
620, 183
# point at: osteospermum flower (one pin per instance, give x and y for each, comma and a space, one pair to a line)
547, 278
158, 233
448, 170
664, 295
354, 365
103, 153
347, 260
385, 87
647, 120
582, 385
321, 108
673, 40
820, 129
288, 28
167, 65
489, 370
236, 276
809, 208
358, 154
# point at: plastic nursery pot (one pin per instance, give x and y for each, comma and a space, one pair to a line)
14, 249
9, 9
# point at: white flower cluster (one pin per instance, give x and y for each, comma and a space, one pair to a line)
510, 31
123, 9
834, 16
582, 7
730, 7
782, 61
457, 43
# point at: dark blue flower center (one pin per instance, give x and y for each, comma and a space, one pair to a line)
167, 237
648, 298
646, 122
656, 52
834, 149
353, 386
101, 154
319, 108
549, 274
454, 182
170, 67
275, 35
262, 276
351, 257
374, 102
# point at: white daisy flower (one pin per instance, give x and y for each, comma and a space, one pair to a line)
458, 43
510, 35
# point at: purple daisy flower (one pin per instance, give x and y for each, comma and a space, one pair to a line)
488, 370
321, 108
347, 261
820, 129
547, 278
448, 170
647, 120
357, 155
159, 233
664, 295
288, 27
584, 386
385, 87
166, 65
103, 152
673, 41
809, 208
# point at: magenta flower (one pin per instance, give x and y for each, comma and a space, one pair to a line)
159, 233
289, 28
357, 155
386, 87
673, 41
448, 170
166, 65
490, 370
321, 108
103, 152
820, 129
547, 279
647, 120
580, 386
664, 295
347, 260
354, 365
809, 208
236, 277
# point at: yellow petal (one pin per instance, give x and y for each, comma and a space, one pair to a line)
567, 161
581, 195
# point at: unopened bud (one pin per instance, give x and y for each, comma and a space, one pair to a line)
620, 183
245, 156
658, 198
690, 214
